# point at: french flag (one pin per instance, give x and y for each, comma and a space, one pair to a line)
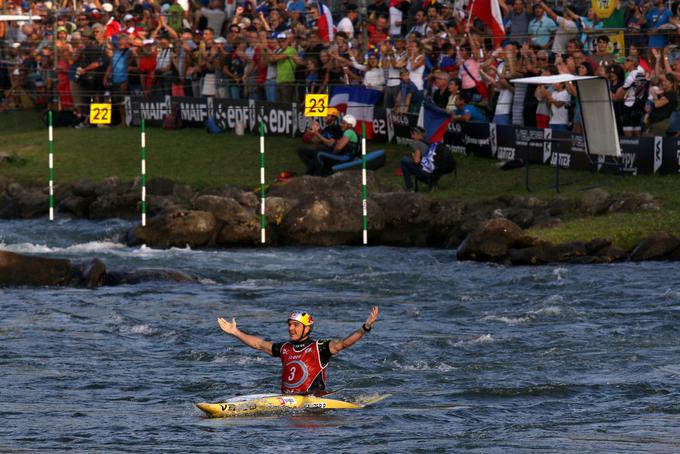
489, 12
324, 24
434, 120
357, 101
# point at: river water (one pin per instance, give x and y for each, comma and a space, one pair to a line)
477, 357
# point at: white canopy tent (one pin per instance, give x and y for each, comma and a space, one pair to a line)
599, 121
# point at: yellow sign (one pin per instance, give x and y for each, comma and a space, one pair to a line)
316, 105
100, 114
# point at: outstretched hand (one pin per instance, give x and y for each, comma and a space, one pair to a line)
372, 318
227, 327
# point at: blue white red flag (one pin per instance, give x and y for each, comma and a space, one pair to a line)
434, 120
324, 24
357, 101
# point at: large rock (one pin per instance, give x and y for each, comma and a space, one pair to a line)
595, 201
329, 221
492, 241
116, 205
32, 203
20, 270
634, 202
406, 218
176, 229
130, 277
245, 198
347, 183
658, 246
238, 225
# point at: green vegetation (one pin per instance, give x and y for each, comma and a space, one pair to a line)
194, 157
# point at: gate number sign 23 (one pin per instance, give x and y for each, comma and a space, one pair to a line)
100, 114
316, 105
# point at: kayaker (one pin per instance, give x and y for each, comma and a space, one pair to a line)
304, 360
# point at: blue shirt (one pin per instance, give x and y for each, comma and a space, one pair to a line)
119, 64
656, 18
542, 30
475, 113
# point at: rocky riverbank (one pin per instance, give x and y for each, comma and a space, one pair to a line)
327, 212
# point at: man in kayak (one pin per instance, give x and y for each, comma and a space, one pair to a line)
304, 360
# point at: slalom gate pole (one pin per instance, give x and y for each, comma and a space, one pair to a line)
143, 179
262, 197
51, 164
363, 181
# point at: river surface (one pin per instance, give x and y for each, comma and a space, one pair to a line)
476, 357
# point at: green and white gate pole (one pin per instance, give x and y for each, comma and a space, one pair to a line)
143, 179
263, 222
363, 180
51, 164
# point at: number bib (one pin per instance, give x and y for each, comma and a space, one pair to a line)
300, 368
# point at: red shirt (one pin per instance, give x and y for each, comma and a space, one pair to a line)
376, 36
301, 368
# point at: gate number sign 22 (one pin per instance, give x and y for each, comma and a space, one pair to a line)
100, 114
316, 105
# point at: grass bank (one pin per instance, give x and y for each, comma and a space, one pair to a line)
194, 157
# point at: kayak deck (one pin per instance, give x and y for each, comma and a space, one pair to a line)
266, 403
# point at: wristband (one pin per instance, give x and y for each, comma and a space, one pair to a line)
366, 330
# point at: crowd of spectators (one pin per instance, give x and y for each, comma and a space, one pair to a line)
278, 50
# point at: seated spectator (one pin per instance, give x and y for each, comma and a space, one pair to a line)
345, 148
323, 139
420, 163
466, 112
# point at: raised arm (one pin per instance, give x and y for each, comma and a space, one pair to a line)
337, 345
248, 339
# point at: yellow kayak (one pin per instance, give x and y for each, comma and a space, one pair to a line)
266, 403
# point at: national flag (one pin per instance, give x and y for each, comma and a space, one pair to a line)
357, 101
434, 119
489, 12
324, 24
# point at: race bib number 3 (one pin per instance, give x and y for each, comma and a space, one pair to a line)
316, 105
100, 114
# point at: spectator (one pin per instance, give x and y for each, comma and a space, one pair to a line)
558, 99
286, 64
635, 87
566, 29
465, 112
440, 89
602, 56
518, 20
323, 139
454, 91
420, 163
345, 148
541, 28
116, 76
346, 24
394, 60
655, 18
664, 100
